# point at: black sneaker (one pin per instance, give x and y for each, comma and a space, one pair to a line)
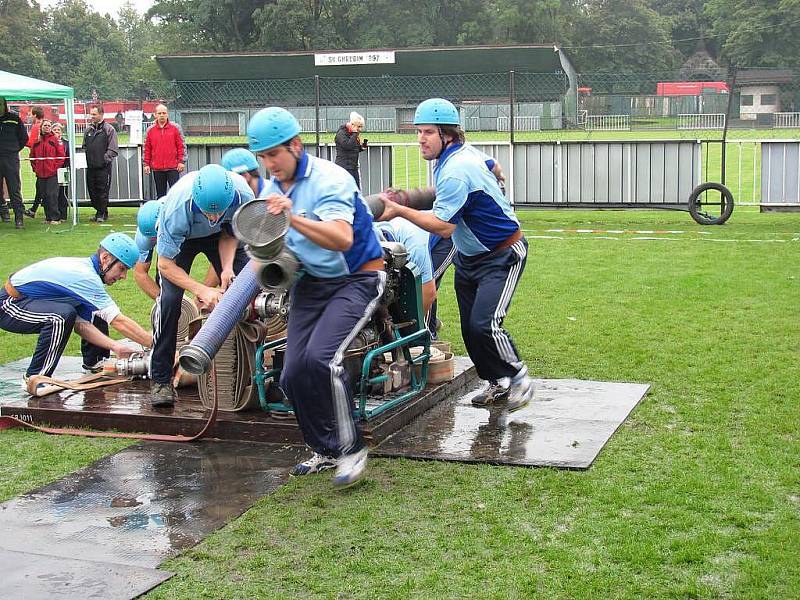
19, 225
29, 213
162, 395
95, 368
496, 392
316, 464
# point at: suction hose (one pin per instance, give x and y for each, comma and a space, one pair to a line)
196, 356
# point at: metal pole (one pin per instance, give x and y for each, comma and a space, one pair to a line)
316, 109
727, 119
511, 105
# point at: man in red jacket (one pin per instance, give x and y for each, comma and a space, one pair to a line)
164, 151
46, 157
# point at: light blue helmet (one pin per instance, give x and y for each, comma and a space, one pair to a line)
147, 217
212, 189
436, 111
270, 127
239, 160
121, 247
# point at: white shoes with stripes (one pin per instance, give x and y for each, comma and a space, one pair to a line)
350, 469
521, 390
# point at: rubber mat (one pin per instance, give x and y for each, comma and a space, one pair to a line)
566, 425
109, 523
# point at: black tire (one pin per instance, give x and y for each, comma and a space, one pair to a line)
697, 204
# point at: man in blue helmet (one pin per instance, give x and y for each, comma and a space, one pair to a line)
490, 249
146, 230
195, 219
331, 234
55, 296
243, 162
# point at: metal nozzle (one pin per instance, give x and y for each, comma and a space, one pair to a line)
194, 360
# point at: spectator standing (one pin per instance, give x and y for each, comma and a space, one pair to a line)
63, 202
349, 145
13, 138
46, 157
164, 151
100, 146
37, 113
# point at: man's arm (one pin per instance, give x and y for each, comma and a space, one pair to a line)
426, 220
428, 295
148, 150
132, 330
93, 335
208, 297
141, 274
113, 146
183, 152
227, 252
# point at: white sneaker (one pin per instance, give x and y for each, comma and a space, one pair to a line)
316, 464
351, 469
521, 390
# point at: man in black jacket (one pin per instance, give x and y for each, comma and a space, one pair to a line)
13, 138
100, 145
349, 145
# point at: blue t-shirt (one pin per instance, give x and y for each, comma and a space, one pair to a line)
468, 195
181, 220
416, 240
74, 281
323, 191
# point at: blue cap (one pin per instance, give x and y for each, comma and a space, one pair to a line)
436, 111
121, 247
212, 189
239, 160
147, 217
270, 127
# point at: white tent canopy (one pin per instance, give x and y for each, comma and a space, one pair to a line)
19, 87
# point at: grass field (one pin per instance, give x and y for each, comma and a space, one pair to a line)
696, 496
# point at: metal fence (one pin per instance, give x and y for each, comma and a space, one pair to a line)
628, 174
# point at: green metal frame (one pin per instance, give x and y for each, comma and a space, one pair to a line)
407, 313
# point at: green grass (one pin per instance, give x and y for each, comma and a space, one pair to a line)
696, 496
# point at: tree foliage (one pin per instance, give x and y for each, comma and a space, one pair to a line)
76, 45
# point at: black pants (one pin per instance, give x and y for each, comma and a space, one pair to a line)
356, 176
47, 187
52, 320
98, 184
9, 172
168, 303
326, 315
94, 354
63, 204
484, 287
165, 180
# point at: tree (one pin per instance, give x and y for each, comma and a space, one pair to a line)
72, 30
623, 36
758, 33
525, 22
690, 26
21, 39
219, 25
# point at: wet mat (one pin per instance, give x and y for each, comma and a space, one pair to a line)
566, 425
110, 524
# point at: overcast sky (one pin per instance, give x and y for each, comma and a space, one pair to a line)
104, 6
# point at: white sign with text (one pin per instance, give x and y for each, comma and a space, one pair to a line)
354, 58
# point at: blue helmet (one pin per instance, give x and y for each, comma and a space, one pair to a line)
121, 247
239, 160
436, 111
271, 127
147, 217
212, 189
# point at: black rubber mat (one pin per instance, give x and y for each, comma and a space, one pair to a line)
109, 523
566, 425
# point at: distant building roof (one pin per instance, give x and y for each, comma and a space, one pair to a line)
408, 62
764, 76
